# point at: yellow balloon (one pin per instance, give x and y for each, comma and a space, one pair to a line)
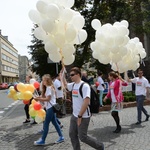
15, 97
10, 95
27, 95
30, 87
33, 101
13, 91
32, 112
41, 113
20, 96
21, 87
31, 106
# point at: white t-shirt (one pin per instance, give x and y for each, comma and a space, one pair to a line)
59, 93
77, 99
141, 84
50, 92
111, 87
100, 81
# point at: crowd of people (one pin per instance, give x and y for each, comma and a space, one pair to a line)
52, 92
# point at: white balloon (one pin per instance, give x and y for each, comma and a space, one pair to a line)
53, 11
50, 47
68, 50
95, 55
116, 58
55, 57
100, 36
143, 54
69, 3
38, 119
59, 40
123, 51
125, 23
67, 15
48, 25
41, 6
104, 59
96, 24
115, 49
78, 21
81, 37
69, 60
39, 33
119, 40
95, 45
70, 33
35, 16
32, 81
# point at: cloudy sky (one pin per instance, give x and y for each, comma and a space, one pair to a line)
15, 23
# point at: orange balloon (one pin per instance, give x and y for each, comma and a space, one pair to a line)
30, 87
41, 113
27, 95
26, 101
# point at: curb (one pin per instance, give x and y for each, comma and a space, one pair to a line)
125, 105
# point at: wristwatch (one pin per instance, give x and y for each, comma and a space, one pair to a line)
79, 116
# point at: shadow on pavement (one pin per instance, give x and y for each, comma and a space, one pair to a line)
108, 135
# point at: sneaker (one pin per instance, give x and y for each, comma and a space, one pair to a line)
32, 123
40, 132
39, 142
60, 140
147, 118
26, 121
139, 122
61, 126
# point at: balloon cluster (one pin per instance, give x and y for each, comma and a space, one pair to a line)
59, 27
36, 111
113, 45
23, 91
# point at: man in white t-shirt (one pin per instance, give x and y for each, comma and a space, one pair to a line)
140, 92
59, 94
81, 114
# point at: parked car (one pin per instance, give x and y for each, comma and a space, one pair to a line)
12, 84
3, 86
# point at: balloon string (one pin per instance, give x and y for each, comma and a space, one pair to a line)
117, 69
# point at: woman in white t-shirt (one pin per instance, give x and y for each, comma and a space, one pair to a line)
49, 99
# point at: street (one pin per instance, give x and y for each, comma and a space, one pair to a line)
16, 136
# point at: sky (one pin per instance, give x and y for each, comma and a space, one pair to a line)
16, 24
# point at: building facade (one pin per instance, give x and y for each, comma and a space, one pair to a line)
8, 61
24, 68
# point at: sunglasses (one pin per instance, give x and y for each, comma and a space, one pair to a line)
71, 75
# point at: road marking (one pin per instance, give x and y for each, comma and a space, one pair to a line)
1, 112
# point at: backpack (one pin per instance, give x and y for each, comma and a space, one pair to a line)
94, 100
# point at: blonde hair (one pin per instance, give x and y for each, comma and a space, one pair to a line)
49, 82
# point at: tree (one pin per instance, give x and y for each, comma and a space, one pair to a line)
39, 57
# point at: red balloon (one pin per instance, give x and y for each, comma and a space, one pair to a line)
26, 101
15, 87
36, 84
37, 106
96, 84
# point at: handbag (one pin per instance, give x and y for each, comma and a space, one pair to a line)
56, 107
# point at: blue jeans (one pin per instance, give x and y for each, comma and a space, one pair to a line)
50, 117
101, 97
140, 101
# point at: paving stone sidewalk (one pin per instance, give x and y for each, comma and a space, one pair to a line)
16, 136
